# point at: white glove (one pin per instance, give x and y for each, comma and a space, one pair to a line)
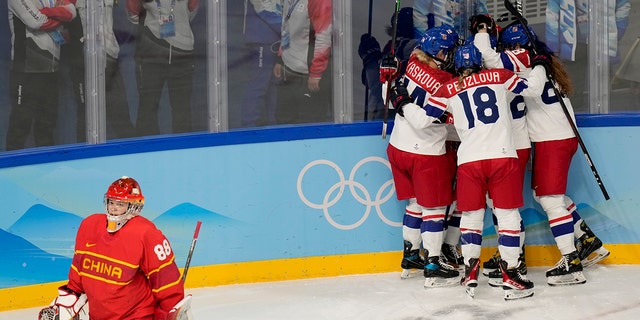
69, 303
182, 310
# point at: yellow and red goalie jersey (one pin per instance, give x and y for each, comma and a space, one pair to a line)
128, 274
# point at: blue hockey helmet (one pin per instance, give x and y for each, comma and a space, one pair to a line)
467, 57
438, 38
516, 34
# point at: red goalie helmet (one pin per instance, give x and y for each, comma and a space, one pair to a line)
125, 189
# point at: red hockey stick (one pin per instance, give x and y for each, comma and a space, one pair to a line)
193, 246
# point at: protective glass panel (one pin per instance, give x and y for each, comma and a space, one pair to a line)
371, 34
279, 62
625, 59
163, 61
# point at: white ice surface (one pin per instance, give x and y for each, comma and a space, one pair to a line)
611, 292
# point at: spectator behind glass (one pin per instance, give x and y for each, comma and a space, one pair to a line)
456, 13
303, 66
37, 35
370, 52
263, 23
117, 107
164, 55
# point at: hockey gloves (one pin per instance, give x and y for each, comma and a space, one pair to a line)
66, 306
69, 302
389, 67
446, 117
482, 21
182, 310
399, 97
369, 49
542, 58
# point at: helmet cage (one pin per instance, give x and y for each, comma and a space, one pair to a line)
115, 222
126, 190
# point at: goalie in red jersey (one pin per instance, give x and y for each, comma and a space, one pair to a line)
123, 266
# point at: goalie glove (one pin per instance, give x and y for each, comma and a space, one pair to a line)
66, 306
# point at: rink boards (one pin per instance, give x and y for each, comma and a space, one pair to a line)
275, 204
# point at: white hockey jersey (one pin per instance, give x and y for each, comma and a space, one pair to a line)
415, 132
481, 111
545, 117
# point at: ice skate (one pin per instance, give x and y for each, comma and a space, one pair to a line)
590, 249
495, 276
492, 264
514, 283
452, 256
412, 261
567, 271
470, 279
439, 274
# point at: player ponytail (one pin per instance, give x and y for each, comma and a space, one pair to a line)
561, 76
463, 74
423, 57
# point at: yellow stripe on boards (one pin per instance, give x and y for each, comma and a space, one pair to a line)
303, 268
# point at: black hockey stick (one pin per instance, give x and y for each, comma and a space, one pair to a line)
394, 28
516, 14
193, 246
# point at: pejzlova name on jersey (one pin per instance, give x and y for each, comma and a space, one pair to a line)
474, 80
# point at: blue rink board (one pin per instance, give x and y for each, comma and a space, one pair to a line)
262, 195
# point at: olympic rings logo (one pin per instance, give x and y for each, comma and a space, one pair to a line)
327, 203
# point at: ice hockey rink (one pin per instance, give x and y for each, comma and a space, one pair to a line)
611, 292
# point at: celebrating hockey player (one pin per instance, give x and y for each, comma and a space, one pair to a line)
487, 161
123, 266
491, 268
555, 144
422, 172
